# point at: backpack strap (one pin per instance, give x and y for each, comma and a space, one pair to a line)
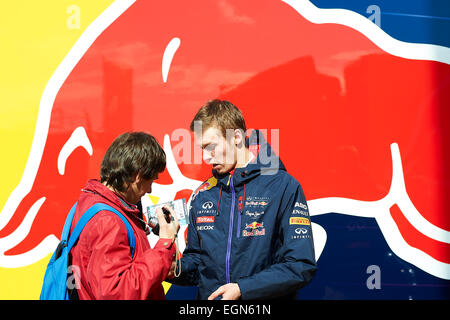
92, 211
68, 224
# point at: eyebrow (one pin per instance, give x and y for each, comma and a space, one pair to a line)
204, 145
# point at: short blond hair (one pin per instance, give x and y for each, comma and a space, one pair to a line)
221, 114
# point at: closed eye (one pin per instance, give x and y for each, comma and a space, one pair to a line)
209, 147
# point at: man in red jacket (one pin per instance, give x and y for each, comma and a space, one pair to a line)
102, 262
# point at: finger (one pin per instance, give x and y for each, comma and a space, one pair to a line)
172, 212
170, 209
161, 217
217, 293
175, 218
171, 273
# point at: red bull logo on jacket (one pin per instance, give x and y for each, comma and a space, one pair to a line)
256, 229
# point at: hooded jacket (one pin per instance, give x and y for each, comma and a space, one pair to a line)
106, 268
251, 227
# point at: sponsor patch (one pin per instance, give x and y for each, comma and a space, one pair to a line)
207, 207
208, 184
205, 219
299, 220
301, 233
254, 225
301, 205
256, 201
254, 232
256, 229
205, 228
298, 211
253, 215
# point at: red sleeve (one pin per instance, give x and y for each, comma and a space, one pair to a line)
111, 271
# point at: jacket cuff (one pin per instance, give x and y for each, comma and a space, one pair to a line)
166, 245
243, 286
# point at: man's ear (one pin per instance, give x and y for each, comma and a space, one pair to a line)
239, 138
138, 177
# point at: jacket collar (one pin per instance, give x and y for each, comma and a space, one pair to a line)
265, 161
96, 187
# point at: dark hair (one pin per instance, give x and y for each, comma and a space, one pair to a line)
220, 113
129, 154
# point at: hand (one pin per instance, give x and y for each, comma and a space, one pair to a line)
229, 291
167, 230
171, 273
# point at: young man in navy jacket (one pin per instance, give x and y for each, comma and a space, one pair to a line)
249, 234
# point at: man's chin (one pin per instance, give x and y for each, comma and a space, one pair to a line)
221, 170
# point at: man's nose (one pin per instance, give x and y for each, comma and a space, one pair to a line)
207, 157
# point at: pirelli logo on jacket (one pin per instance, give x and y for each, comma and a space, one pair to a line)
299, 220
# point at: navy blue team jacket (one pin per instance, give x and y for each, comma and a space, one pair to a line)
251, 227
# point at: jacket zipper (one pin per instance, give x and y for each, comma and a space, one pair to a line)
230, 232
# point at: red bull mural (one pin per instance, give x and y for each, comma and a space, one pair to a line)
359, 118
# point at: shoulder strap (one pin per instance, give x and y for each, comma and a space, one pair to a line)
68, 223
92, 211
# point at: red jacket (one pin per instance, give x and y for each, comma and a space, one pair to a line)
103, 256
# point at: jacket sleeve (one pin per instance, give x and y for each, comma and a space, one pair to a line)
191, 255
112, 273
295, 263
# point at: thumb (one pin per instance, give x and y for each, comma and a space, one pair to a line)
217, 293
